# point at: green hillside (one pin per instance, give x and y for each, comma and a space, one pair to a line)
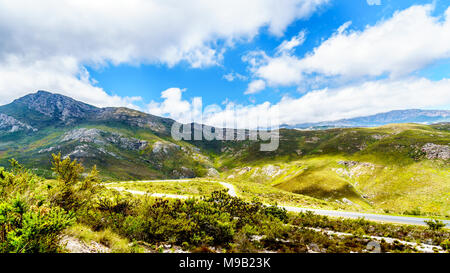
397, 168
400, 168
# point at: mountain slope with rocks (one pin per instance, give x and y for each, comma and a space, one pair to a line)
123, 143
396, 168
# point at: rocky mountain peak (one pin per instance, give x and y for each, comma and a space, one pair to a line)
56, 106
43, 109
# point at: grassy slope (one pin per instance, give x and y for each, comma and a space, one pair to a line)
130, 165
192, 188
398, 178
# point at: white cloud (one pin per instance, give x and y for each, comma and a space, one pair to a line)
233, 76
229, 77
284, 70
365, 99
288, 46
140, 31
374, 2
344, 27
173, 106
331, 104
255, 87
410, 40
60, 75
101, 32
396, 47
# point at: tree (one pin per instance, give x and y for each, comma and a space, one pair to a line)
72, 193
15, 166
68, 171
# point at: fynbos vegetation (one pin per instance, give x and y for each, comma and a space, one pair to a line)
39, 215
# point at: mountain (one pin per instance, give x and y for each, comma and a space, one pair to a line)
124, 143
43, 109
395, 167
397, 116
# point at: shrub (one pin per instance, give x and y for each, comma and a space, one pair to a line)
277, 212
435, 224
446, 245
32, 230
71, 193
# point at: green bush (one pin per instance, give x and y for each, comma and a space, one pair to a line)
435, 224
71, 193
31, 230
446, 245
34, 213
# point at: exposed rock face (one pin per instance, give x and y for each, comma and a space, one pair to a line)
379, 137
434, 151
48, 150
134, 118
127, 143
100, 137
243, 170
348, 164
183, 172
84, 135
81, 151
271, 170
354, 168
59, 107
164, 148
74, 245
312, 140
12, 125
212, 173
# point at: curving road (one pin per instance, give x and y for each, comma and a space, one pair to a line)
333, 213
231, 189
369, 216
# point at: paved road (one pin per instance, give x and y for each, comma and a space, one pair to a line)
332, 213
368, 216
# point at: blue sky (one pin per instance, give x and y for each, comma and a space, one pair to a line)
148, 81
349, 58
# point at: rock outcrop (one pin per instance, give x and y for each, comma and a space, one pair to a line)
355, 169
11, 125
164, 148
100, 137
434, 151
212, 173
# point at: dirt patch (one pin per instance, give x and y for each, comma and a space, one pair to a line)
74, 245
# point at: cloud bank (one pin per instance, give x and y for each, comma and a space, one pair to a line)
61, 37
396, 47
368, 98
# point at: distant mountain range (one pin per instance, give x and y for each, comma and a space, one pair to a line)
397, 116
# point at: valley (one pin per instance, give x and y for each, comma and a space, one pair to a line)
309, 195
395, 168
